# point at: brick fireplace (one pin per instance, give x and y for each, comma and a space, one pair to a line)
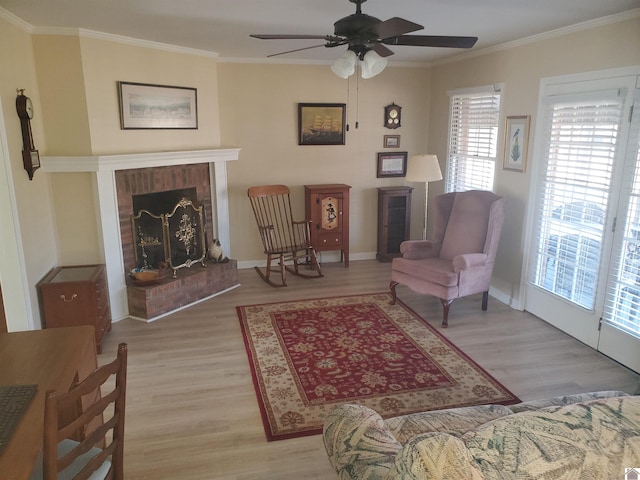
116, 179
189, 284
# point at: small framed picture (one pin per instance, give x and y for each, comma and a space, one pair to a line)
391, 141
516, 142
392, 164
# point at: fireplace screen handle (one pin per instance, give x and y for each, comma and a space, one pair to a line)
64, 298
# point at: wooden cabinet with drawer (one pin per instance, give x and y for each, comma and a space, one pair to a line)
327, 206
76, 295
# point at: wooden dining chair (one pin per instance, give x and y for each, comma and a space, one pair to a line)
73, 448
284, 239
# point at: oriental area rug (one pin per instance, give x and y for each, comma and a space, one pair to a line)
309, 356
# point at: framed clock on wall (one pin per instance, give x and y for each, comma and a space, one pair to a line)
30, 156
392, 115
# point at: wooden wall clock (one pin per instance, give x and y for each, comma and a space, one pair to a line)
30, 156
392, 116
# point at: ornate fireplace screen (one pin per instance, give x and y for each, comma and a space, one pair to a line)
176, 239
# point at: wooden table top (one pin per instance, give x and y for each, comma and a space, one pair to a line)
51, 359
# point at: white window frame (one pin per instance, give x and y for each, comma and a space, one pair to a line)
466, 170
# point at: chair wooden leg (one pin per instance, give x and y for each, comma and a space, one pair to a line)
485, 300
283, 271
445, 311
392, 287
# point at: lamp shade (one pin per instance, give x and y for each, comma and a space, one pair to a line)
423, 168
372, 64
345, 66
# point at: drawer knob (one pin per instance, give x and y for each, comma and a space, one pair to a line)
73, 297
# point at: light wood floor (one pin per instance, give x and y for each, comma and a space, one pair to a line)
191, 408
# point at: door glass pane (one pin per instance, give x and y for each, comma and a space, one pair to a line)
581, 144
623, 306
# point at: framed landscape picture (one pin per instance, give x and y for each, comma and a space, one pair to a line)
321, 123
145, 106
392, 164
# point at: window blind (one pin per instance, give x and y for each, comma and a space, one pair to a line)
473, 137
622, 303
580, 140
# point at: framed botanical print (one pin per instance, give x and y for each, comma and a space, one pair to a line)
516, 143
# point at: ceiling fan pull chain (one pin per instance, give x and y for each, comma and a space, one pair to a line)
357, 100
347, 113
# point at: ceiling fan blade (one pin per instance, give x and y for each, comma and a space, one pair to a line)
381, 50
432, 41
328, 38
300, 49
394, 27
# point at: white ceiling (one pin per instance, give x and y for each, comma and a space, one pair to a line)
223, 26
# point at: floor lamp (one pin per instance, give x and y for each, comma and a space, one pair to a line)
424, 168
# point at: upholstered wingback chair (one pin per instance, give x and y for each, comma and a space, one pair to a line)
458, 260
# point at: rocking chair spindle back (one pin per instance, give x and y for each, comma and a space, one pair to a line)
282, 237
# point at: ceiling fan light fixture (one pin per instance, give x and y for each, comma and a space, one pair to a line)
372, 64
345, 66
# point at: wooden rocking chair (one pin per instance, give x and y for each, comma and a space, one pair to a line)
282, 238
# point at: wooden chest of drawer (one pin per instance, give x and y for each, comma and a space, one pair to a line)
76, 295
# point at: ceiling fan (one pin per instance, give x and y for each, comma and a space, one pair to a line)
365, 34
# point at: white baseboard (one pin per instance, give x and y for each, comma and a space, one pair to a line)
323, 257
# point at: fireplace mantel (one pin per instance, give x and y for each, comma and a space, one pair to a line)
103, 168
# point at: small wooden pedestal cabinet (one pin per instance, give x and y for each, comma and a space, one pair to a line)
394, 217
76, 295
327, 206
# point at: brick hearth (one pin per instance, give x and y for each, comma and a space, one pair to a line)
191, 285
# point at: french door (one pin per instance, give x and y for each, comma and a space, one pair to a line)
584, 253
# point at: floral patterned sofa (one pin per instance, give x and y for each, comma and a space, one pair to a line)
591, 435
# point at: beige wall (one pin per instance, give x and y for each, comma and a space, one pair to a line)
78, 82
521, 70
72, 81
32, 198
258, 110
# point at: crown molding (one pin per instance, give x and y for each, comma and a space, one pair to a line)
109, 37
578, 27
16, 21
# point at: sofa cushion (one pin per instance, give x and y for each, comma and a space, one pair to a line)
596, 439
434, 455
565, 400
454, 421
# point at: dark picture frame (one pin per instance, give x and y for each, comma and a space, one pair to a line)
392, 164
146, 106
391, 141
321, 123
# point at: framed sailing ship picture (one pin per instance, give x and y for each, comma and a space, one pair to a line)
321, 123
